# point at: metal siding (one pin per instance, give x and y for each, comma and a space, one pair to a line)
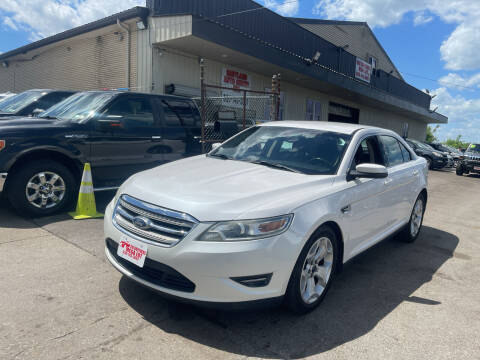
170, 27
78, 63
144, 61
275, 33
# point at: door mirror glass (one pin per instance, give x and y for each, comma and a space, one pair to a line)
369, 171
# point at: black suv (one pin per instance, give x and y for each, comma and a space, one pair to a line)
470, 161
119, 134
454, 154
32, 102
435, 159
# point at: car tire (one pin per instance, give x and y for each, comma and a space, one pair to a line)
41, 188
303, 295
459, 170
412, 230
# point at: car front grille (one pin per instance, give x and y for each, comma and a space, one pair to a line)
159, 225
153, 272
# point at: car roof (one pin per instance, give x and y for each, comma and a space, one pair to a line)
342, 128
120, 92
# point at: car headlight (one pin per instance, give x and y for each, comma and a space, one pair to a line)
243, 230
437, 154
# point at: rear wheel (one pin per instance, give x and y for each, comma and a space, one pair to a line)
313, 271
412, 229
41, 188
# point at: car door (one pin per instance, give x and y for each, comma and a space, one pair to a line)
181, 133
124, 139
365, 214
401, 175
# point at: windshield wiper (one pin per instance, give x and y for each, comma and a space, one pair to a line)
276, 166
220, 156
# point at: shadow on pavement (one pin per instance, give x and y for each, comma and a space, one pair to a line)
370, 287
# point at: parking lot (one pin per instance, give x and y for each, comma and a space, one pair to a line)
62, 300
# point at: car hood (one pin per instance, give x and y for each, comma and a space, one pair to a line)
26, 122
213, 189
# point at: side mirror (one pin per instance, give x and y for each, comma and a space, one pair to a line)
216, 146
368, 171
37, 112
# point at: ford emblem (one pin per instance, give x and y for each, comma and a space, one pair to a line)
142, 223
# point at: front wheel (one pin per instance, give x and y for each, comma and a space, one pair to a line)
41, 188
313, 271
459, 170
412, 229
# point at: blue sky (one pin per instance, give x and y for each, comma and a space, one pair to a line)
432, 42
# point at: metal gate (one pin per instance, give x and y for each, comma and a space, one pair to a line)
226, 111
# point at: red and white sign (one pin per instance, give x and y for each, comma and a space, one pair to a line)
133, 251
236, 80
363, 70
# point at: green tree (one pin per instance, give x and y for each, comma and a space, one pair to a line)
457, 143
431, 134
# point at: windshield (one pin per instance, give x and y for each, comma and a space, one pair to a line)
18, 102
78, 107
474, 148
307, 151
422, 145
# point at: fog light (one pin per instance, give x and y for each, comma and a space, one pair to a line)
254, 281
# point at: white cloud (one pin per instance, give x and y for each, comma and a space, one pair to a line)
285, 7
421, 18
459, 82
47, 17
9, 23
463, 114
458, 50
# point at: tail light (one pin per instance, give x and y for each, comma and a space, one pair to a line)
2, 144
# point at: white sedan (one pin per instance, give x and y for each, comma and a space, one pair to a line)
268, 216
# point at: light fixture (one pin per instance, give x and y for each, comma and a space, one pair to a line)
141, 25
317, 55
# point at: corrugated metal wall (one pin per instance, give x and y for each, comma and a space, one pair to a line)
183, 69
86, 62
360, 40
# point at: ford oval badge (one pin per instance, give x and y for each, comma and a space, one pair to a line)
142, 223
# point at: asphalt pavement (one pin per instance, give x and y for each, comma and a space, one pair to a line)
60, 299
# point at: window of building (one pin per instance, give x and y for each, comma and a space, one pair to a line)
314, 110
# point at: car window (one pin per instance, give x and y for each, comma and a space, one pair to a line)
368, 152
132, 113
179, 113
51, 99
308, 151
406, 154
392, 150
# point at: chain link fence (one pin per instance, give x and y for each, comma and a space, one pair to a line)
232, 111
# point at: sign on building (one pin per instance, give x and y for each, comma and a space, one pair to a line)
363, 70
236, 80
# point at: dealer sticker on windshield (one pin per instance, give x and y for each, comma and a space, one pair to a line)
132, 250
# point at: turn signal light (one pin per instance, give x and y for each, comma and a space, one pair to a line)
2, 144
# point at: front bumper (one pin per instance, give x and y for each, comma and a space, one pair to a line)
211, 266
3, 180
439, 163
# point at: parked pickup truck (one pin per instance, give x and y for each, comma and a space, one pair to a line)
118, 133
32, 102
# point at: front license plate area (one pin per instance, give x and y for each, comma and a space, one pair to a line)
132, 250
477, 168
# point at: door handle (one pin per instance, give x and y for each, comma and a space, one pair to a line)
346, 209
388, 181
156, 138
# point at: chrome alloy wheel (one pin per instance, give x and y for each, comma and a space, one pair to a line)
316, 270
45, 190
417, 217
